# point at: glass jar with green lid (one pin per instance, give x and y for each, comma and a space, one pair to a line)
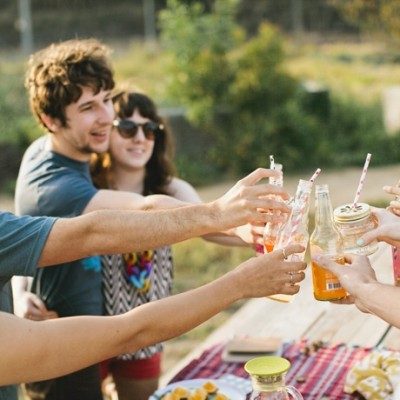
353, 221
268, 379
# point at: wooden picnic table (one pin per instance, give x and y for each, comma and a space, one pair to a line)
306, 318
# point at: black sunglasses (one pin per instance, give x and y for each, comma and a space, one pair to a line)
128, 129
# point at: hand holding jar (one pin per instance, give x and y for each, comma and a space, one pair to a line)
388, 229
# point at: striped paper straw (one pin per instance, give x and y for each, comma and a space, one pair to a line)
271, 162
299, 217
362, 179
297, 221
315, 175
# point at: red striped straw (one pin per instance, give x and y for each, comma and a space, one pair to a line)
362, 179
315, 175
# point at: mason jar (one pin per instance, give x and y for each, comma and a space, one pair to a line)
353, 222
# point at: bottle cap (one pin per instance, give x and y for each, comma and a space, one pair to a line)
267, 366
348, 213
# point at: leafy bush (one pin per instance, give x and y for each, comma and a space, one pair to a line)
236, 89
239, 93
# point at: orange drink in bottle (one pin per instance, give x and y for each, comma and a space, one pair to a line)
326, 239
326, 285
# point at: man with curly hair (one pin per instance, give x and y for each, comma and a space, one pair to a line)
69, 86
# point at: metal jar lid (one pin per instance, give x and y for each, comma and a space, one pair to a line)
348, 213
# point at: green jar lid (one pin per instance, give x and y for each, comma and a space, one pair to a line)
267, 366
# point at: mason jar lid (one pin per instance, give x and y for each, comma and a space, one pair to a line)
348, 213
267, 366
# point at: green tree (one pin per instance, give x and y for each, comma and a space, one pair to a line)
233, 87
372, 15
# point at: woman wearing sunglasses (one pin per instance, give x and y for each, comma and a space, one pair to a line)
139, 160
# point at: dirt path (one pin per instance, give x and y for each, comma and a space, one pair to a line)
342, 183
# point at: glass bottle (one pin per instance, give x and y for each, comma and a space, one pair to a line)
295, 231
268, 379
326, 239
271, 230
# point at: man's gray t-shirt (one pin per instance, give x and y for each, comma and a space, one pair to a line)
21, 243
54, 185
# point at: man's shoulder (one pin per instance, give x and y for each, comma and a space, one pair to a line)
40, 166
39, 157
51, 184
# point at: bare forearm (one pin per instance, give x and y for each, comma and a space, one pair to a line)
42, 345
184, 311
111, 232
224, 239
381, 300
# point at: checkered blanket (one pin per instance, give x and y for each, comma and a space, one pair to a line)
318, 373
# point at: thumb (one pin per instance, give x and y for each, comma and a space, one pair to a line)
258, 174
327, 263
369, 236
39, 304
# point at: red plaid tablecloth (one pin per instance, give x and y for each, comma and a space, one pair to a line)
324, 371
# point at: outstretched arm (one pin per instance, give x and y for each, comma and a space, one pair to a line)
56, 347
112, 232
120, 200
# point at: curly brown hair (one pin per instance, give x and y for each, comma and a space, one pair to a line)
56, 75
160, 168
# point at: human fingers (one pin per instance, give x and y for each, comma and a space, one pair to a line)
258, 174
289, 289
295, 277
51, 315
266, 189
349, 299
35, 314
38, 304
370, 236
395, 206
272, 205
392, 190
257, 234
284, 253
327, 263
395, 210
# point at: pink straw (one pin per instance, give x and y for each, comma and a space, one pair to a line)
362, 179
315, 175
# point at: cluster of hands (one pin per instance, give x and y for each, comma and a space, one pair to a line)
357, 275
356, 279
245, 209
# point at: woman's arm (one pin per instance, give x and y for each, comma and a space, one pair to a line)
56, 347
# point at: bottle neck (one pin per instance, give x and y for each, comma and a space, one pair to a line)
323, 210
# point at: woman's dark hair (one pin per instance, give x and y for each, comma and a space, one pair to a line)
159, 169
